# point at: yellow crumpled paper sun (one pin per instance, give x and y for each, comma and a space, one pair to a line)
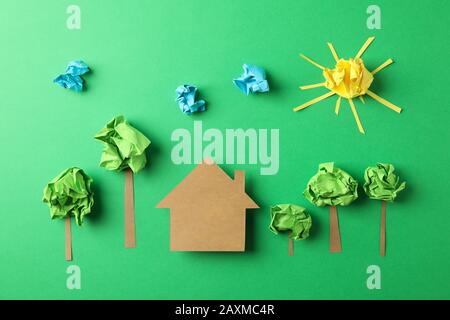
349, 79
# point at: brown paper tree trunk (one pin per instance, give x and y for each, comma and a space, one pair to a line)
335, 237
290, 244
383, 229
68, 240
130, 229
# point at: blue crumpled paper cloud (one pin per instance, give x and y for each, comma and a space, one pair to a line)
186, 99
252, 80
71, 79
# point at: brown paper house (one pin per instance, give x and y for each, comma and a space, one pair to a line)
207, 210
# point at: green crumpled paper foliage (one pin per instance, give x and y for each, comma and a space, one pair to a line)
124, 146
381, 183
331, 186
69, 194
290, 217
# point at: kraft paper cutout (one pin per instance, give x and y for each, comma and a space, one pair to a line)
291, 218
130, 228
290, 245
349, 79
383, 229
208, 210
68, 240
332, 186
335, 236
381, 183
124, 149
69, 194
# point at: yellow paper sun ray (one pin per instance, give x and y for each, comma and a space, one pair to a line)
338, 105
382, 66
364, 47
384, 102
333, 51
362, 99
358, 122
312, 62
312, 86
313, 101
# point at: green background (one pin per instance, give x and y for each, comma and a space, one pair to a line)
140, 51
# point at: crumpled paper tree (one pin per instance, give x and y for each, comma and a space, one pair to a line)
252, 80
124, 149
185, 96
71, 79
69, 194
349, 79
381, 183
292, 218
332, 186
124, 146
